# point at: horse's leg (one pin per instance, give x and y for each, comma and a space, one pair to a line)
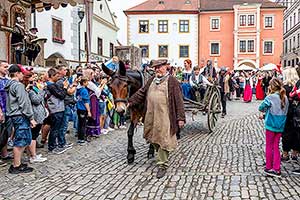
130, 149
151, 151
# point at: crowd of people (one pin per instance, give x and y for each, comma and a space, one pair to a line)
32, 103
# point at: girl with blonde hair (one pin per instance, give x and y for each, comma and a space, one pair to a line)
275, 108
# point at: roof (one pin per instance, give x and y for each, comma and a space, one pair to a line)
213, 5
195, 5
165, 5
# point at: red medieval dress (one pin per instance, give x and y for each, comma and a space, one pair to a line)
259, 90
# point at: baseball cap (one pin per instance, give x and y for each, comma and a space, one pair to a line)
16, 68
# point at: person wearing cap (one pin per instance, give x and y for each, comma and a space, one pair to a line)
32, 48
209, 72
163, 110
19, 109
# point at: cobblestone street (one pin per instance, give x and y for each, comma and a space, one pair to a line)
226, 164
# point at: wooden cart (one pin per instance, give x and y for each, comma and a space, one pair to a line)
210, 105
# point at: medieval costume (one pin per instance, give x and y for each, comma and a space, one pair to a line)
93, 124
163, 108
248, 89
209, 71
17, 39
186, 87
32, 48
198, 83
260, 95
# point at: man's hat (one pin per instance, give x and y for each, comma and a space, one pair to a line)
34, 29
158, 63
16, 68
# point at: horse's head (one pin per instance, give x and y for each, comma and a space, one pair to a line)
119, 86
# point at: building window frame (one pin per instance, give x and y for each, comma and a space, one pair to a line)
247, 46
159, 51
268, 50
141, 46
242, 20
163, 26
57, 30
215, 23
184, 26
218, 53
250, 21
268, 24
146, 24
188, 51
111, 49
100, 46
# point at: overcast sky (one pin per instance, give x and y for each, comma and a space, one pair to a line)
117, 6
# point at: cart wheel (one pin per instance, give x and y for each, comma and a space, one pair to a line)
214, 110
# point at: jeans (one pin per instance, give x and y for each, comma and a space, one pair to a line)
272, 150
108, 119
67, 116
223, 101
56, 130
22, 137
82, 121
75, 119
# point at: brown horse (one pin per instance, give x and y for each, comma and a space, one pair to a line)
124, 84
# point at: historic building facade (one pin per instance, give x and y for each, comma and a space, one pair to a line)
230, 33
165, 29
291, 37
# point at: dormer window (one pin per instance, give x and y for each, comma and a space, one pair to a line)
187, 2
161, 2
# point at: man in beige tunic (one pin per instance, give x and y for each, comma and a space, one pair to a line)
163, 111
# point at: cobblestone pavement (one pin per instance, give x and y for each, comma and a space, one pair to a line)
226, 164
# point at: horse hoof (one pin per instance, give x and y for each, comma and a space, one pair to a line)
150, 155
130, 159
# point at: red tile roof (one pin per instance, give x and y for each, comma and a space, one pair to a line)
166, 5
195, 5
214, 5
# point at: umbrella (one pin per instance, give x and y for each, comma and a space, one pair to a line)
244, 68
269, 67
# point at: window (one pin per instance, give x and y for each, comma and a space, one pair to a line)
215, 24
299, 15
295, 22
163, 51
57, 29
143, 26
294, 41
215, 48
100, 46
269, 22
291, 21
290, 46
242, 46
183, 51
268, 47
243, 20
298, 40
184, 26
250, 20
111, 50
145, 51
286, 25
286, 46
162, 26
250, 45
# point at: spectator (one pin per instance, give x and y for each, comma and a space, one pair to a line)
20, 111
275, 108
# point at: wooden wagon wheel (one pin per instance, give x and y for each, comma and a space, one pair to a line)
214, 110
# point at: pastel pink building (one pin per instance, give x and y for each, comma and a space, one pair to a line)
236, 34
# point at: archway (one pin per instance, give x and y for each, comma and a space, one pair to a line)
248, 63
55, 59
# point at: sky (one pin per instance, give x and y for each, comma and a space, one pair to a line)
117, 6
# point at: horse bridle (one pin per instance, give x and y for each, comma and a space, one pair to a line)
125, 79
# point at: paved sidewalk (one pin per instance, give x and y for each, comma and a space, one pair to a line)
226, 164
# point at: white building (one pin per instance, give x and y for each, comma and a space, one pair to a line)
104, 33
291, 37
165, 29
60, 27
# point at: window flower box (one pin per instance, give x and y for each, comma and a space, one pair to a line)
58, 40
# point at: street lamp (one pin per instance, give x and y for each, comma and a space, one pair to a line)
81, 16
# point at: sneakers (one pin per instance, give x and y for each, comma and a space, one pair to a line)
296, 172
81, 142
10, 142
20, 169
110, 129
285, 158
37, 159
104, 131
272, 173
68, 146
58, 151
123, 127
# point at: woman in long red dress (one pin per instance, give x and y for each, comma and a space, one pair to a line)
259, 89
